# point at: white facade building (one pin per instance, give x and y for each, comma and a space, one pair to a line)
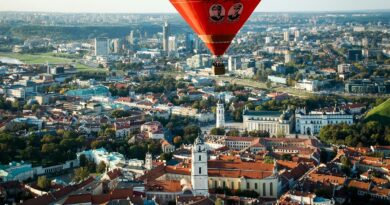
21, 171
233, 63
113, 160
56, 168
289, 58
268, 40
308, 85
297, 197
17, 93
273, 122
199, 61
344, 68
286, 36
277, 79
172, 44
246, 73
310, 124
153, 130
297, 35
15, 171
240, 143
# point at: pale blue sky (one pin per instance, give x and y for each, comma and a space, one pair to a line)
163, 6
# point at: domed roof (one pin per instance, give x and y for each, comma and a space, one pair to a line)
187, 191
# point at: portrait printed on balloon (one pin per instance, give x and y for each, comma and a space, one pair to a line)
235, 12
217, 13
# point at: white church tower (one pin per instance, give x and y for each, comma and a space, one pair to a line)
220, 115
148, 161
199, 175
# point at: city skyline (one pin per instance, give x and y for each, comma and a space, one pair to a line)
135, 107
132, 6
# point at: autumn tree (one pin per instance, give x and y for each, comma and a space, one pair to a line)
43, 183
81, 174
101, 168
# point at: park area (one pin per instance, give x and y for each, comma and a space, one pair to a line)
51, 58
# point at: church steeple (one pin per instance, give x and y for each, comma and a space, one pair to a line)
275, 171
148, 161
220, 119
199, 139
199, 171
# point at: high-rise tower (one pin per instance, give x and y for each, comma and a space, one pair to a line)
101, 47
166, 33
189, 41
286, 36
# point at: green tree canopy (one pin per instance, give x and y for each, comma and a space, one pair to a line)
217, 131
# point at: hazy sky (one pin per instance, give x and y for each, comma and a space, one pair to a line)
153, 6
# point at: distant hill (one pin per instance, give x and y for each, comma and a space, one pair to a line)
381, 113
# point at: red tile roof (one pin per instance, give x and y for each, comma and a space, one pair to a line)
78, 199
124, 99
164, 186
232, 169
42, 200
192, 200
100, 199
121, 194
239, 174
50, 198
359, 185
381, 191
177, 170
244, 139
297, 172
121, 86
117, 194
379, 181
154, 173
250, 166
327, 178
286, 164
113, 174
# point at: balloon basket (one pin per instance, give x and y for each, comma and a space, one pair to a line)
218, 68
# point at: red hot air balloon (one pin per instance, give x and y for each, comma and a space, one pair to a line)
216, 22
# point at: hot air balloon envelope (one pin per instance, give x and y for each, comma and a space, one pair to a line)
216, 21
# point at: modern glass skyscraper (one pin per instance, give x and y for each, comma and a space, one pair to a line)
189, 41
101, 47
166, 33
